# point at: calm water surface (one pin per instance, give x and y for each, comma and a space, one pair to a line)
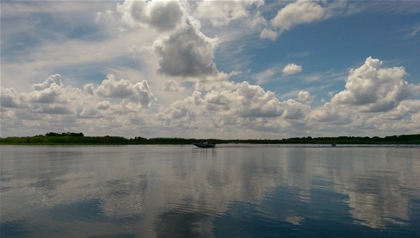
230, 191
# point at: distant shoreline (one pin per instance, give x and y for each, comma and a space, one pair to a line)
79, 139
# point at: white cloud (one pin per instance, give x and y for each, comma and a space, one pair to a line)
304, 96
223, 12
52, 109
414, 31
415, 117
328, 113
138, 93
165, 41
404, 109
257, 21
160, 15
172, 86
47, 95
372, 88
239, 105
252, 101
301, 11
295, 110
292, 69
9, 97
267, 75
103, 105
268, 34
89, 88
56, 79
187, 52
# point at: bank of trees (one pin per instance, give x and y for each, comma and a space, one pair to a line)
79, 138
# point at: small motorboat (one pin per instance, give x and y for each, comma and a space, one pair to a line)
205, 145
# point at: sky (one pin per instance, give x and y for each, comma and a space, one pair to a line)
210, 69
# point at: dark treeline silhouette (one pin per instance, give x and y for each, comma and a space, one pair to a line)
79, 138
64, 134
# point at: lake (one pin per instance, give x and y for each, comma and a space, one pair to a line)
230, 191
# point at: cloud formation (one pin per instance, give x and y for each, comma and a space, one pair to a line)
268, 34
187, 52
223, 12
373, 88
304, 96
9, 97
292, 69
150, 48
301, 11
159, 15
138, 93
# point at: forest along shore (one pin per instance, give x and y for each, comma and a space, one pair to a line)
72, 138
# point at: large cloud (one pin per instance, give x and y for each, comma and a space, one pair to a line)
9, 97
330, 114
239, 105
268, 34
307, 11
223, 12
138, 93
51, 106
160, 15
304, 96
253, 101
187, 52
372, 88
301, 11
53, 79
52, 91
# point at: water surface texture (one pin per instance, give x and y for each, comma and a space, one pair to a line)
229, 191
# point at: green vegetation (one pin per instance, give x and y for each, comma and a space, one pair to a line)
71, 138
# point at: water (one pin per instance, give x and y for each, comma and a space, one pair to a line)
230, 191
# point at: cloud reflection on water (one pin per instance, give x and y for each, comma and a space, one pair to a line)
161, 190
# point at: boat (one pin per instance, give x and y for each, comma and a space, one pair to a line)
205, 145
333, 144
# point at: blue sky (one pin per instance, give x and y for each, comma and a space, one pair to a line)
222, 69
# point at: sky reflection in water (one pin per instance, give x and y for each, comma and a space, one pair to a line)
230, 191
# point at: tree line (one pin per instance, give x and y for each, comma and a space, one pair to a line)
79, 138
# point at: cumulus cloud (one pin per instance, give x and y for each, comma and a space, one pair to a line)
372, 88
292, 69
301, 11
172, 86
304, 96
268, 34
160, 15
9, 97
223, 12
415, 117
187, 52
52, 109
89, 88
238, 105
295, 110
138, 93
244, 101
53, 79
51, 91
404, 109
254, 101
326, 113
46, 95
103, 105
